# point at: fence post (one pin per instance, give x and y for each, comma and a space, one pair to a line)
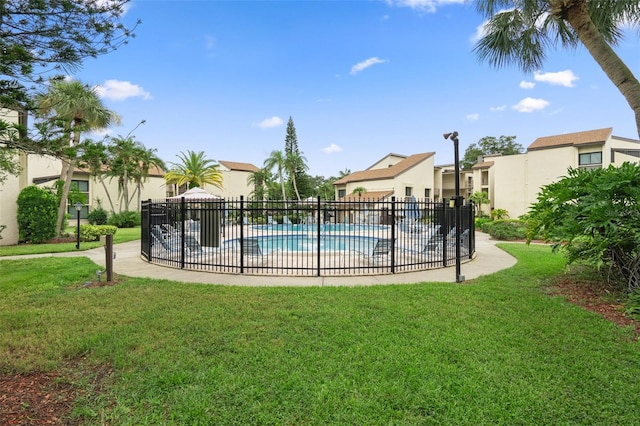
393, 235
242, 234
445, 231
182, 214
318, 235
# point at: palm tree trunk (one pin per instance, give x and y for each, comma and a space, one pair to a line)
577, 14
62, 207
106, 191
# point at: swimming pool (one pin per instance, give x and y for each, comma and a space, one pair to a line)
325, 227
305, 243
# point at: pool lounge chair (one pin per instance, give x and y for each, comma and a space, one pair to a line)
381, 250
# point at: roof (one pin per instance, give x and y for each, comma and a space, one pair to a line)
387, 172
241, 167
572, 139
369, 196
483, 165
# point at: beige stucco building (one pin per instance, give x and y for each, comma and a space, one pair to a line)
513, 182
235, 180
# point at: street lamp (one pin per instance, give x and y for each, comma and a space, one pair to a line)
457, 201
78, 207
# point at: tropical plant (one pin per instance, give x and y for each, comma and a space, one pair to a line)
519, 32
194, 170
259, 180
295, 162
594, 216
78, 109
497, 214
504, 145
359, 190
479, 198
277, 161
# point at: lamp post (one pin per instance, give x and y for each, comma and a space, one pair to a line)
78, 207
457, 201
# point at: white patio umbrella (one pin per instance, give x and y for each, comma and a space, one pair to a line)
195, 194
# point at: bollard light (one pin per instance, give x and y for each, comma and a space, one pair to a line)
78, 207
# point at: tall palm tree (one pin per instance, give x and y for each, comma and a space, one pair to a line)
518, 31
79, 109
194, 170
146, 159
278, 162
95, 158
124, 152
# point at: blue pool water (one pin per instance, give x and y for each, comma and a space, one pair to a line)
304, 243
328, 227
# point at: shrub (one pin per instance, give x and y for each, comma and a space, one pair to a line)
127, 219
98, 216
37, 215
480, 221
505, 229
93, 232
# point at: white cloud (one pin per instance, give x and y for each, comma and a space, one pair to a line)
498, 108
117, 90
423, 5
331, 149
530, 105
269, 123
366, 64
473, 117
561, 78
527, 85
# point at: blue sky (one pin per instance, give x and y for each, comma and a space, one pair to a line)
360, 79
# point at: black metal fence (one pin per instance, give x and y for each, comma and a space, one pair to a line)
309, 238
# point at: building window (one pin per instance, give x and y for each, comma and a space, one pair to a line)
590, 160
342, 193
427, 193
408, 191
80, 187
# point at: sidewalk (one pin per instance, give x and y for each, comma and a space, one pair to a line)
489, 259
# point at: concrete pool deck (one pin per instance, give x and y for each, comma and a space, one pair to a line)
489, 259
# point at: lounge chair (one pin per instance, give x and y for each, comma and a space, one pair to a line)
252, 251
382, 249
286, 220
270, 220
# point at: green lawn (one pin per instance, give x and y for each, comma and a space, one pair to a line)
495, 350
122, 236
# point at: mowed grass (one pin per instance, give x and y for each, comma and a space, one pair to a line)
121, 236
495, 350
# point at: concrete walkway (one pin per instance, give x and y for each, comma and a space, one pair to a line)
489, 259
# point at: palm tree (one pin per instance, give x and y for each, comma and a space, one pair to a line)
124, 152
77, 107
259, 180
359, 190
277, 161
95, 158
146, 159
480, 198
194, 170
518, 31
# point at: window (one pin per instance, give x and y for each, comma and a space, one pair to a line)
427, 193
590, 160
80, 187
342, 193
408, 191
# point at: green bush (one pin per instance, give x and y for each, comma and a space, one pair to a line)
37, 215
98, 216
480, 221
126, 219
93, 232
505, 229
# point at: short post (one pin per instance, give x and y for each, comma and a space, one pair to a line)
108, 252
78, 207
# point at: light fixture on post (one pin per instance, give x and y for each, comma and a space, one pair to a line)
78, 207
457, 201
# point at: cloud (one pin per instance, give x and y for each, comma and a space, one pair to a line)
498, 108
423, 5
269, 123
473, 117
366, 64
527, 85
117, 90
331, 149
530, 105
561, 78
